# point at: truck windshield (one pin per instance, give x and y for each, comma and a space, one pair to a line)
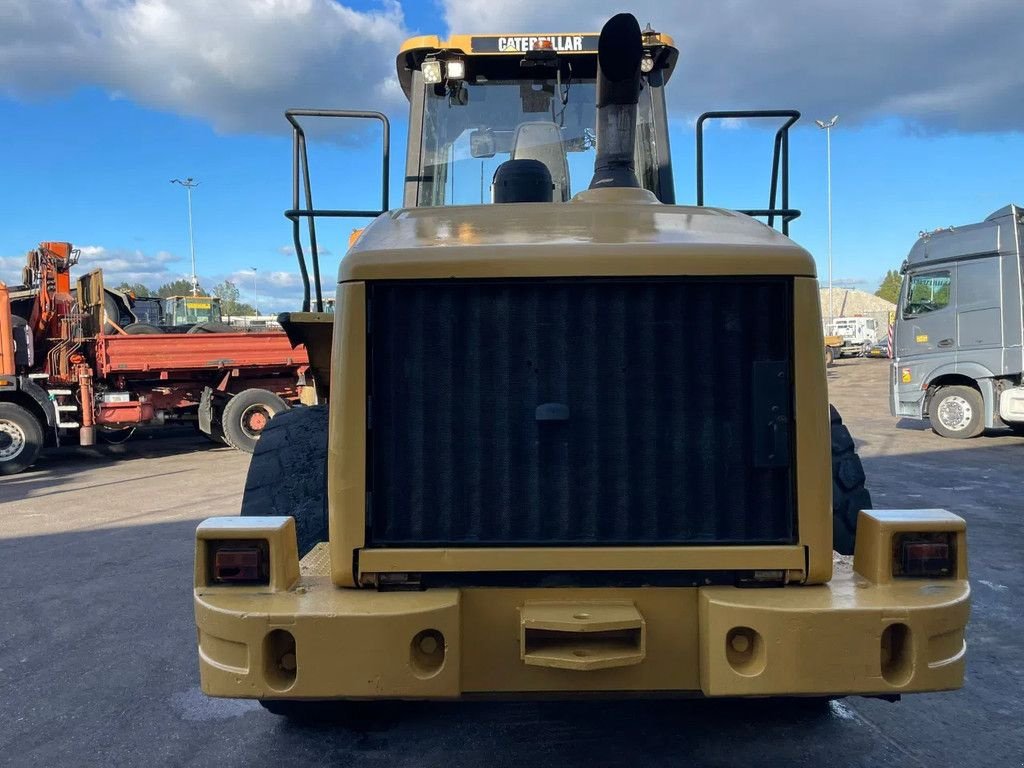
926, 293
196, 310
466, 137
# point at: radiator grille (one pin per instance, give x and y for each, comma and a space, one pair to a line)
588, 412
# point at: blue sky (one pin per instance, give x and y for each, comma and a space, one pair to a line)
91, 141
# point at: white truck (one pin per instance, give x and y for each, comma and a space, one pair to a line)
859, 334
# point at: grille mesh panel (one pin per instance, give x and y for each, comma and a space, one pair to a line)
657, 381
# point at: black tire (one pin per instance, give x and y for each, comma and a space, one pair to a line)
21, 438
830, 357
849, 494
288, 474
247, 415
957, 411
211, 328
142, 329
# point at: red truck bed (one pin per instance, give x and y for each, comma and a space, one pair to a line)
177, 354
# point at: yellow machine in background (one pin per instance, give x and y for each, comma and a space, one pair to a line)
578, 437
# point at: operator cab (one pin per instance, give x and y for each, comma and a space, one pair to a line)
480, 104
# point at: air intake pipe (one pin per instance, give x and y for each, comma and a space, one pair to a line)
619, 52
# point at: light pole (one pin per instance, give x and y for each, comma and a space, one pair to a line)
189, 184
255, 300
828, 126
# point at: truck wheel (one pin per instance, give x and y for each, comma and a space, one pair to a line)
957, 411
849, 495
21, 438
211, 327
247, 414
288, 474
830, 357
136, 329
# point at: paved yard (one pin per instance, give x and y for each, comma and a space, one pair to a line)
97, 644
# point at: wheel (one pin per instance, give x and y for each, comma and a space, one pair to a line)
142, 328
849, 495
247, 414
830, 357
21, 438
957, 411
112, 307
288, 474
211, 327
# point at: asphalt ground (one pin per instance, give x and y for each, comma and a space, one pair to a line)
97, 641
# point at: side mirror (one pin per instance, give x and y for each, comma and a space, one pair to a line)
481, 143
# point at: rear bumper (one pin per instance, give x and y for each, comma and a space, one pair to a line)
315, 640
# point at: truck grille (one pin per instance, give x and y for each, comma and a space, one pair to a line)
583, 412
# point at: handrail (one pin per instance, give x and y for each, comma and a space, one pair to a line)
300, 173
780, 162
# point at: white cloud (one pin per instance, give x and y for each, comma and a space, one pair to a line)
279, 290
119, 266
939, 64
236, 63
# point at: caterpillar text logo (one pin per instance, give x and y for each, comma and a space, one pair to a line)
558, 43
525, 43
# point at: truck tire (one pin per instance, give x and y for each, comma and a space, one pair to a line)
288, 474
957, 411
849, 495
211, 327
138, 329
21, 438
247, 414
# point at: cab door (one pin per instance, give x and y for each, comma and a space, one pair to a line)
927, 318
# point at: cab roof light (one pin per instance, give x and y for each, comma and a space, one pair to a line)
455, 69
432, 74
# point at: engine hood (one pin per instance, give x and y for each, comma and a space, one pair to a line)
605, 232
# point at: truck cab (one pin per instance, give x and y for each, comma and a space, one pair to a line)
858, 333
577, 437
958, 334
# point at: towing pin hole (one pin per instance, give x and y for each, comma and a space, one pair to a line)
426, 653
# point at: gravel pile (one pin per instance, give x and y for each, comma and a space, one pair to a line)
848, 302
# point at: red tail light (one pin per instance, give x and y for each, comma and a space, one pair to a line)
239, 562
924, 555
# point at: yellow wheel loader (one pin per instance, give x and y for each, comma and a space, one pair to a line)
573, 438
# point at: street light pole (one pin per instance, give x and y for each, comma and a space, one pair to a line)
189, 184
255, 299
828, 126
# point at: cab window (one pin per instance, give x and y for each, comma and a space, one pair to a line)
928, 292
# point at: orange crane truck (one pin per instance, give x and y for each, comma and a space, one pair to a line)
68, 371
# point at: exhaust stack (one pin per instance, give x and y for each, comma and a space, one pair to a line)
619, 52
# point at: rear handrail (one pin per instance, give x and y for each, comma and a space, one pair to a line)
300, 173
780, 162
